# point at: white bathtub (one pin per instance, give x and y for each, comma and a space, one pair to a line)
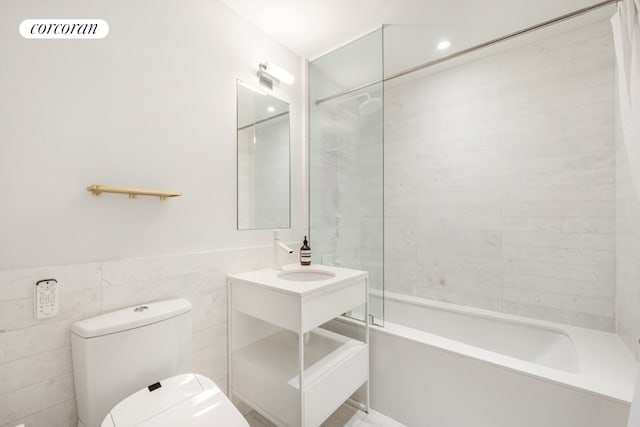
541, 344
441, 365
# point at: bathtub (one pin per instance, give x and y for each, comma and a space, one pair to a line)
435, 364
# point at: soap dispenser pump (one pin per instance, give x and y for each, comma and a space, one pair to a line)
305, 253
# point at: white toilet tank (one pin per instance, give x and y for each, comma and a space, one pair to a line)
118, 353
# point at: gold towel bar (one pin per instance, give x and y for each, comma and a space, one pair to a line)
133, 193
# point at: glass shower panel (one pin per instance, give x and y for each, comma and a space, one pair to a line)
346, 162
480, 146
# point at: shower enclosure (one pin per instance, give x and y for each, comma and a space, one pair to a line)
481, 176
487, 191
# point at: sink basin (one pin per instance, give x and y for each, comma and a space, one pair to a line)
306, 275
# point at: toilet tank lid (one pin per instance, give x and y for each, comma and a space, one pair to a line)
130, 318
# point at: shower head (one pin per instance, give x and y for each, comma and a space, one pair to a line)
370, 106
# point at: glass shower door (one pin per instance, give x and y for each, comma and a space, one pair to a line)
346, 162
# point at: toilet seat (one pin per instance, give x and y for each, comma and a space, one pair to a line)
186, 400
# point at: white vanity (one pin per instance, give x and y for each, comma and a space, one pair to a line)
282, 363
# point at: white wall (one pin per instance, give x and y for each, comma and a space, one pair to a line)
152, 105
499, 181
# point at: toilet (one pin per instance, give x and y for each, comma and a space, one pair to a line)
130, 370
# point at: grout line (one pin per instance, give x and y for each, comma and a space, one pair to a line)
558, 293
69, 374
61, 292
541, 276
11, 423
561, 310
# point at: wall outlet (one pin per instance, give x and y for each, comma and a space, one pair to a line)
46, 298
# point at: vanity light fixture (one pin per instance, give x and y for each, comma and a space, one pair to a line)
268, 74
444, 44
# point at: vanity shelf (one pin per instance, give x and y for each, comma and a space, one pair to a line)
133, 193
282, 363
266, 373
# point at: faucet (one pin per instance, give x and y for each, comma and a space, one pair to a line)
277, 247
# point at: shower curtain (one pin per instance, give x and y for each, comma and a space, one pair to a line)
626, 34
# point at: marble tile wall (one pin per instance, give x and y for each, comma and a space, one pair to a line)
499, 181
35, 355
346, 189
334, 214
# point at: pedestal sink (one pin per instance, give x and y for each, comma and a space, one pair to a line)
304, 275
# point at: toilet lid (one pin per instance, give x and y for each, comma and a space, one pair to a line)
187, 400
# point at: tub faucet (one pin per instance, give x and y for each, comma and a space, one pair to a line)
277, 247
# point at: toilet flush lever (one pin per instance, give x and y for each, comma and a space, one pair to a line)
141, 308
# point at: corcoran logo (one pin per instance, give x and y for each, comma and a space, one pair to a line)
64, 29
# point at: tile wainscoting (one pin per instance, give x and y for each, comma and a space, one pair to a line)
35, 355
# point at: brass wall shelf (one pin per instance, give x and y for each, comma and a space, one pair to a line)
133, 193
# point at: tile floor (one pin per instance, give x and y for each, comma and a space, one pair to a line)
344, 416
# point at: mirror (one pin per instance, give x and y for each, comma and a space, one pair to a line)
263, 160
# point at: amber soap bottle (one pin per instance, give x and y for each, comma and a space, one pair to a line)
305, 253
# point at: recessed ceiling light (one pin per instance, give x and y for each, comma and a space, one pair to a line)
444, 44
271, 109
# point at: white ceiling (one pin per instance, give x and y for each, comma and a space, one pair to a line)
311, 28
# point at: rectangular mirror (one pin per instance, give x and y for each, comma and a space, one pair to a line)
263, 160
